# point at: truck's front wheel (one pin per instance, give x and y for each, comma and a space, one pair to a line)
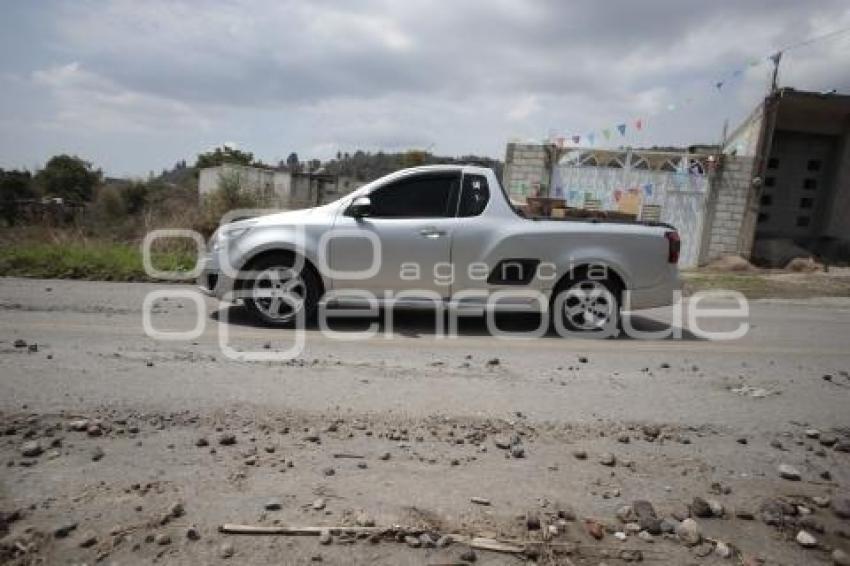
587, 305
279, 293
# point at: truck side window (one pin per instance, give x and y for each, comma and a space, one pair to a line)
421, 196
474, 196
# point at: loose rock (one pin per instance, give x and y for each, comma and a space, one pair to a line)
700, 508
722, 550
716, 508
806, 540
789, 472
64, 530
89, 539
607, 459
412, 541
689, 532
594, 529
31, 449
828, 439
651, 432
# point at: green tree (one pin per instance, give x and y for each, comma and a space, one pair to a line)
69, 177
224, 154
135, 196
14, 187
109, 205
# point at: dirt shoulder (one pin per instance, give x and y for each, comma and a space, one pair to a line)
760, 284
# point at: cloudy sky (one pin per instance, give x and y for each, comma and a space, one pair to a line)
136, 85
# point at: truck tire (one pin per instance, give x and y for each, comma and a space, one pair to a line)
586, 305
276, 293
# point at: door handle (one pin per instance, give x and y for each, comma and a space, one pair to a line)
431, 232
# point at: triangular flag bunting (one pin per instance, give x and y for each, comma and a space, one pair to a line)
719, 85
607, 133
590, 137
576, 140
622, 129
638, 124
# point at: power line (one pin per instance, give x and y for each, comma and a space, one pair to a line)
777, 57
815, 39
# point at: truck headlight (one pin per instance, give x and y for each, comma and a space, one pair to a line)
227, 234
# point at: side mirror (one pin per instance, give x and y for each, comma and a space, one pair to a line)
360, 207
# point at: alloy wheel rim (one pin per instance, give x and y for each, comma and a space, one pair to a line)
279, 293
589, 305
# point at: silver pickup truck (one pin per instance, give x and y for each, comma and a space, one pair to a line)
444, 236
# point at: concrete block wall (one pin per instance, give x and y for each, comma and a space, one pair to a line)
527, 169
729, 209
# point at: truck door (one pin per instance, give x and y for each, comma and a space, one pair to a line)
413, 218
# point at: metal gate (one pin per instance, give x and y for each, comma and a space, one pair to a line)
670, 187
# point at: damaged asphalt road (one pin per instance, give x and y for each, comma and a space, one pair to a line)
120, 448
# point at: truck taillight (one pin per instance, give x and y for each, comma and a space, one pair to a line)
674, 245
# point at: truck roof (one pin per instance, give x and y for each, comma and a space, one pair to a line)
445, 167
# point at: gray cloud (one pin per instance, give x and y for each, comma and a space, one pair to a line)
166, 79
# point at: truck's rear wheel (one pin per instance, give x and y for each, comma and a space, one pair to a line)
587, 305
279, 293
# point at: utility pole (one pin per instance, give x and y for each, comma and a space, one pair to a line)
775, 58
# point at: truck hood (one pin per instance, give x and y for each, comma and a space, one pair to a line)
318, 214
287, 217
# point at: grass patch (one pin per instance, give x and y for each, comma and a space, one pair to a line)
102, 261
750, 285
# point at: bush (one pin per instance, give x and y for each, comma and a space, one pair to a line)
230, 195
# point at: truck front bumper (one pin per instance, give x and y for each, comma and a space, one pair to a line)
212, 280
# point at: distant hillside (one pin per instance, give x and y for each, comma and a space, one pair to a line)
366, 166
